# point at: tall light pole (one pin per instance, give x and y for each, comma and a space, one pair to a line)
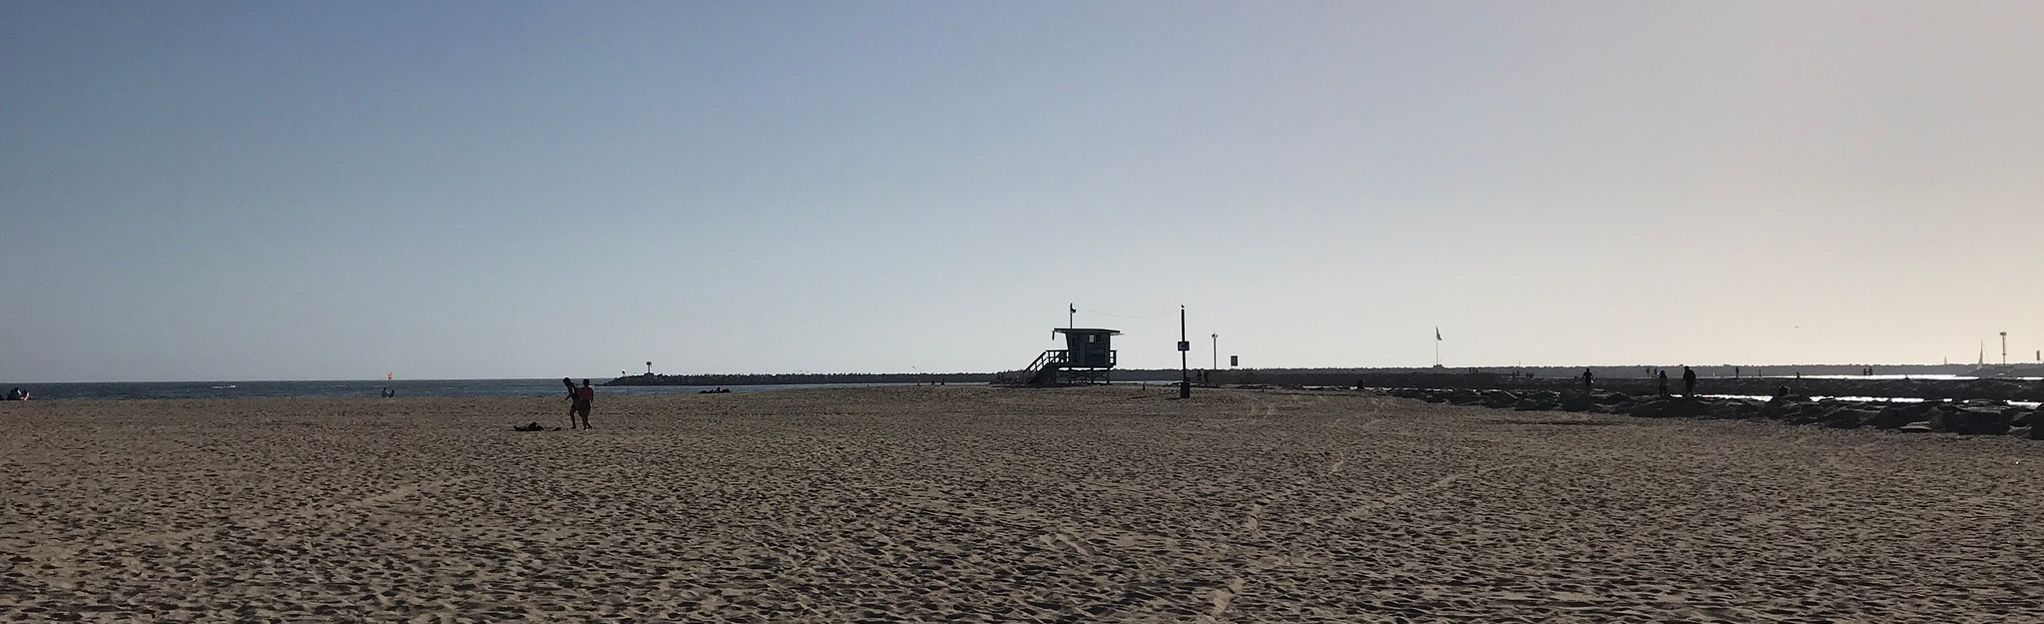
1217, 352
2004, 348
1184, 346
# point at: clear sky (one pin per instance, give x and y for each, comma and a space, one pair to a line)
292, 190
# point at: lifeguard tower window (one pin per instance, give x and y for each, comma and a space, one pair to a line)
1089, 348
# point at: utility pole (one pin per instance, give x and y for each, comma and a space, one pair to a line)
1217, 352
2004, 348
1184, 346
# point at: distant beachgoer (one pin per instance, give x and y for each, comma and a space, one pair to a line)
1688, 382
584, 396
1587, 379
14, 394
1662, 377
570, 384
1735, 372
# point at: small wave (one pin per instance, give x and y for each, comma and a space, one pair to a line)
226, 387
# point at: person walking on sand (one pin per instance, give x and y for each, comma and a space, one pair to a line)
583, 397
1662, 377
1688, 382
1587, 377
570, 385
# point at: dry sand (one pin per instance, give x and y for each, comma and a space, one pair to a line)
979, 504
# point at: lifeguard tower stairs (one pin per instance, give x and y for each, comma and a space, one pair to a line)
1087, 358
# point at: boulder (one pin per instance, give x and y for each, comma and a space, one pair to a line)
1614, 398
1783, 406
1735, 408
1848, 418
1465, 397
2027, 418
1921, 426
1578, 402
1500, 398
1535, 405
2021, 432
1971, 421
1812, 413
1686, 407
1650, 408
1898, 414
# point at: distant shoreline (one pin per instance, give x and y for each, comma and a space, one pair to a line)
1822, 379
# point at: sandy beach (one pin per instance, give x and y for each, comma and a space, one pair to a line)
966, 503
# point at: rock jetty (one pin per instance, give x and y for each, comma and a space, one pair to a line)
1968, 417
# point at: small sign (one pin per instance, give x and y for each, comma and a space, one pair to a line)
1184, 345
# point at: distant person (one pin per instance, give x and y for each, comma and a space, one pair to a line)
1688, 382
1735, 372
570, 384
584, 397
14, 394
1588, 379
1661, 376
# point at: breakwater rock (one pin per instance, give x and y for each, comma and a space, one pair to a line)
1932, 389
1970, 417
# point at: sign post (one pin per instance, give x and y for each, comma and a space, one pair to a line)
1184, 347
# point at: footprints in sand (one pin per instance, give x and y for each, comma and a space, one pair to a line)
980, 505
1221, 598
1360, 511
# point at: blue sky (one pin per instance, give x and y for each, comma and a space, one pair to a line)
335, 190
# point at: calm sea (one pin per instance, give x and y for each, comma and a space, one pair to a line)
366, 389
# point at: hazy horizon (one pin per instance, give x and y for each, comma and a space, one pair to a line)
1765, 369
240, 191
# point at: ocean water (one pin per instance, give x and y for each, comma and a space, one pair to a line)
358, 389
1856, 399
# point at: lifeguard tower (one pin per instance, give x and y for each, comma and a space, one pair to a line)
1087, 358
